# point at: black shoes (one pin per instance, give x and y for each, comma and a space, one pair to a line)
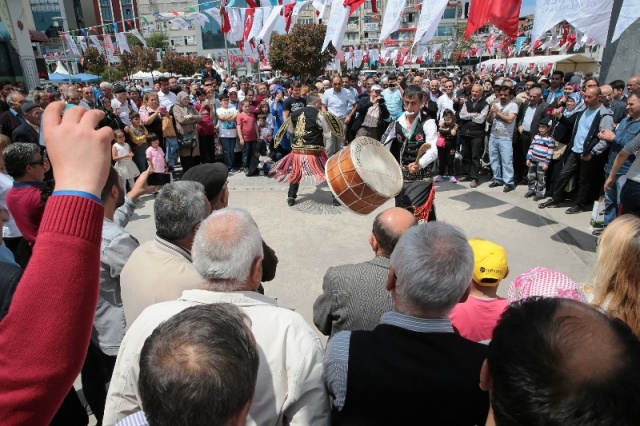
336, 202
575, 209
549, 203
538, 198
508, 188
291, 201
530, 193
494, 184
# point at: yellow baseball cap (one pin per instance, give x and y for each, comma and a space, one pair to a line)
490, 262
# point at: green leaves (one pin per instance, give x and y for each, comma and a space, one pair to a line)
298, 53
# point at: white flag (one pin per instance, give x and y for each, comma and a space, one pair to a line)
82, 41
256, 27
590, 17
72, 45
121, 38
429, 19
237, 23
137, 35
392, 15
337, 25
299, 5
215, 14
321, 7
96, 43
180, 23
629, 13
267, 28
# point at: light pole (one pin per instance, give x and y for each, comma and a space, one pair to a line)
56, 23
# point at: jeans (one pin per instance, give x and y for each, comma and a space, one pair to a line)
472, 147
501, 157
228, 145
630, 198
537, 178
247, 153
612, 201
171, 142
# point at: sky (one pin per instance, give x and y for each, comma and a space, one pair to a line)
528, 7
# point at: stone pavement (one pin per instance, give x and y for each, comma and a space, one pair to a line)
314, 235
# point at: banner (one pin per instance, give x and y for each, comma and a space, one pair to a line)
503, 14
96, 43
72, 45
337, 25
589, 17
137, 35
82, 41
237, 25
629, 13
121, 38
215, 14
430, 16
270, 23
256, 28
392, 15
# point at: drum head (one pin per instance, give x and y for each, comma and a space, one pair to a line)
376, 166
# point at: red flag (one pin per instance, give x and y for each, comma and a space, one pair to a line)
226, 24
353, 4
248, 23
251, 3
504, 14
374, 7
175, 12
288, 14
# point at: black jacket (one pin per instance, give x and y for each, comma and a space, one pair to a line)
541, 111
364, 103
592, 145
25, 133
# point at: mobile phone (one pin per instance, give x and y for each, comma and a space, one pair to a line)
163, 110
159, 179
392, 85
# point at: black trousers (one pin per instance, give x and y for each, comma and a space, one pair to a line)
189, 162
293, 190
521, 144
472, 149
630, 198
20, 249
96, 373
576, 165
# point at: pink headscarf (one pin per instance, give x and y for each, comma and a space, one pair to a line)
544, 282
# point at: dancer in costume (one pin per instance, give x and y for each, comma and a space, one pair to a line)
309, 128
412, 141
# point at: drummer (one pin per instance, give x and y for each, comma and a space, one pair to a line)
405, 138
309, 131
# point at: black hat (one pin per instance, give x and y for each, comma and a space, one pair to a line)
212, 175
119, 89
28, 106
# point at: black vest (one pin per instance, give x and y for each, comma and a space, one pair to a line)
402, 377
312, 134
405, 147
468, 127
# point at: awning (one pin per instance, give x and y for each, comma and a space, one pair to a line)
38, 37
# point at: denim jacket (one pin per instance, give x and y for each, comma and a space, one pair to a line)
117, 245
626, 131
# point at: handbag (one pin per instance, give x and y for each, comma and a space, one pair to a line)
168, 130
559, 150
441, 142
187, 140
597, 214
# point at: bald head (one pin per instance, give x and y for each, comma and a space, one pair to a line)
388, 227
606, 95
633, 85
559, 361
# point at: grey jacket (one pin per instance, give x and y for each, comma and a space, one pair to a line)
117, 245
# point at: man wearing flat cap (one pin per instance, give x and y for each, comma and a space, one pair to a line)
29, 131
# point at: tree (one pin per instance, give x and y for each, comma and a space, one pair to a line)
112, 74
139, 59
93, 61
198, 63
157, 40
176, 63
298, 53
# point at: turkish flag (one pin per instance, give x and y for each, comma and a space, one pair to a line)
288, 14
504, 14
248, 23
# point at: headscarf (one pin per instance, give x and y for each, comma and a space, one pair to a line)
275, 90
544, 282
580, 106
180, 96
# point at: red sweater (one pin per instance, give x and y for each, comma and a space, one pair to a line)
45, 335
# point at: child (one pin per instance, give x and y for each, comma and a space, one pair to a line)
538, 158
155, 155
138, 134
247, 134
476, 318
122, 155
447, 154
270, 120
262, 123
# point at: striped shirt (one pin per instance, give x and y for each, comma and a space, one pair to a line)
135, 419
336, 358
541, 149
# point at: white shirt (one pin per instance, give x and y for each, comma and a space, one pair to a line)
444, 103
167, 100
339, 103
430, 136
123, 110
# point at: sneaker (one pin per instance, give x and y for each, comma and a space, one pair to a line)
473, 184
453, 179
291, 201
438, 178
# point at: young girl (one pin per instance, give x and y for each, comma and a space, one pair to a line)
138, 134
155, 155
447, 154
122, 155
269, 118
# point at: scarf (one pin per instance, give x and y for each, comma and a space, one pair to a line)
580, 106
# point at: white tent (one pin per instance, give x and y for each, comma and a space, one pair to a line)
564, 63
60, 69
149, 77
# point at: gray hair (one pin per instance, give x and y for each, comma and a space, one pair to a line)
433, 264
10, 97
17, 157
37, 95
179, 207
225, 247
535, 89
106, 86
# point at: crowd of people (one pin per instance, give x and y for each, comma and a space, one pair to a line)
178, 331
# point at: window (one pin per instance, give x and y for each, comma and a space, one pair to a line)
177, 41
367, 4
106, 14
444, 30
449, 13
190, 41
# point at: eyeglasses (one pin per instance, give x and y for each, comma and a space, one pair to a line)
42, 162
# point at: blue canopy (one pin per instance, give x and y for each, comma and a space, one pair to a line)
76, 78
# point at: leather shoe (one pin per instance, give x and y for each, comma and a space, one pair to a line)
465, 179
529, 194
291, 201
538, 198
549, 203
575, 209
508, 188
336, 202
494, 184
473, 184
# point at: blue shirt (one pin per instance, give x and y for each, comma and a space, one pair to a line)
393, 102
584, 124
626, 131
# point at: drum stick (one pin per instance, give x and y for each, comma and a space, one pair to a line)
425, 146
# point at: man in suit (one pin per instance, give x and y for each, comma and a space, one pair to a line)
354, 296
11, 119
413, 368
617, 107
531, 112
29, 131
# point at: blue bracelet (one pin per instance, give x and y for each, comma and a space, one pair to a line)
78, 194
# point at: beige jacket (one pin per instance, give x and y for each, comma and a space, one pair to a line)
289, 389
187, 125
157, 271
